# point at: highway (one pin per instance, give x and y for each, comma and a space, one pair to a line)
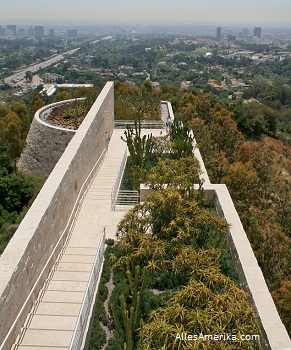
18, 78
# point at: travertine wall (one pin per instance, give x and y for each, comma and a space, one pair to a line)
28, 251
273, 333
45, 143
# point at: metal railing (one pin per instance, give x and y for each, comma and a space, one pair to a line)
145, 124
81, 325
123, 197
118, 180
15, 329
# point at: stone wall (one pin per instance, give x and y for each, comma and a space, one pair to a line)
273, 333
50, 216
45, 143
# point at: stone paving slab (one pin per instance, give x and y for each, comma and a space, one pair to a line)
71, 276
53, 322
83, 241
78, 267
63, 296
27, 347
39, 337
75, 286
71, 258
58, 309
80, 251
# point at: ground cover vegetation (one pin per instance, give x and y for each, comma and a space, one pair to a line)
172, 270
72, 114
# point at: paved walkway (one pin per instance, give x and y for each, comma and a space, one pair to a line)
52, 322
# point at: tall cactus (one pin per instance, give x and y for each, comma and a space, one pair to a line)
182, 140
140, 147
127, 327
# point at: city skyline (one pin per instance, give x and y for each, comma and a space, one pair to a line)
208, 12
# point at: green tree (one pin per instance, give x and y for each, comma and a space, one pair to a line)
23, 113
10, 135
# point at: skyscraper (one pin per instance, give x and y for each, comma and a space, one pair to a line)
12, 27
39, 32
51, 32
30, 32
245, 33
258, 32
218, 33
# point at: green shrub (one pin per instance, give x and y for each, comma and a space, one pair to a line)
109, 242
98, 338
102, 292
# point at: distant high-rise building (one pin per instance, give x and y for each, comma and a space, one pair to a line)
30, 32
245, 33
218, 33
72, 33
231, 37
8, 33
258, 32
51, 32
21, 33
2, 31
12, 27
38, 32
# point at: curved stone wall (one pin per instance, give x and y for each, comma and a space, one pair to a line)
45, 143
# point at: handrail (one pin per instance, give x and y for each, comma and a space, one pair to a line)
43, 271
118, 180
145, 124
126, 197
82, 320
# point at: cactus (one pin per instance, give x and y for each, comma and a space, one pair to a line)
140, 148
131, 321
182, 140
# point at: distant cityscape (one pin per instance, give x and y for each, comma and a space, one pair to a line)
13, 31
37, 32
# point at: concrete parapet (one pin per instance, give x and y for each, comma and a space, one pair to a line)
47, 220
273, 333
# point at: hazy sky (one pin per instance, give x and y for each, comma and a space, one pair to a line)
210, 12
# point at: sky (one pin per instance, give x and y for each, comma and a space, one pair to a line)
208, 12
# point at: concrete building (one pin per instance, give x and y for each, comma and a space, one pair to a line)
9, 33
21, 33
30, 32
258, 32
38, 32
245, 33
218, 33
51, 33
12, 27
54, 78
231, 37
